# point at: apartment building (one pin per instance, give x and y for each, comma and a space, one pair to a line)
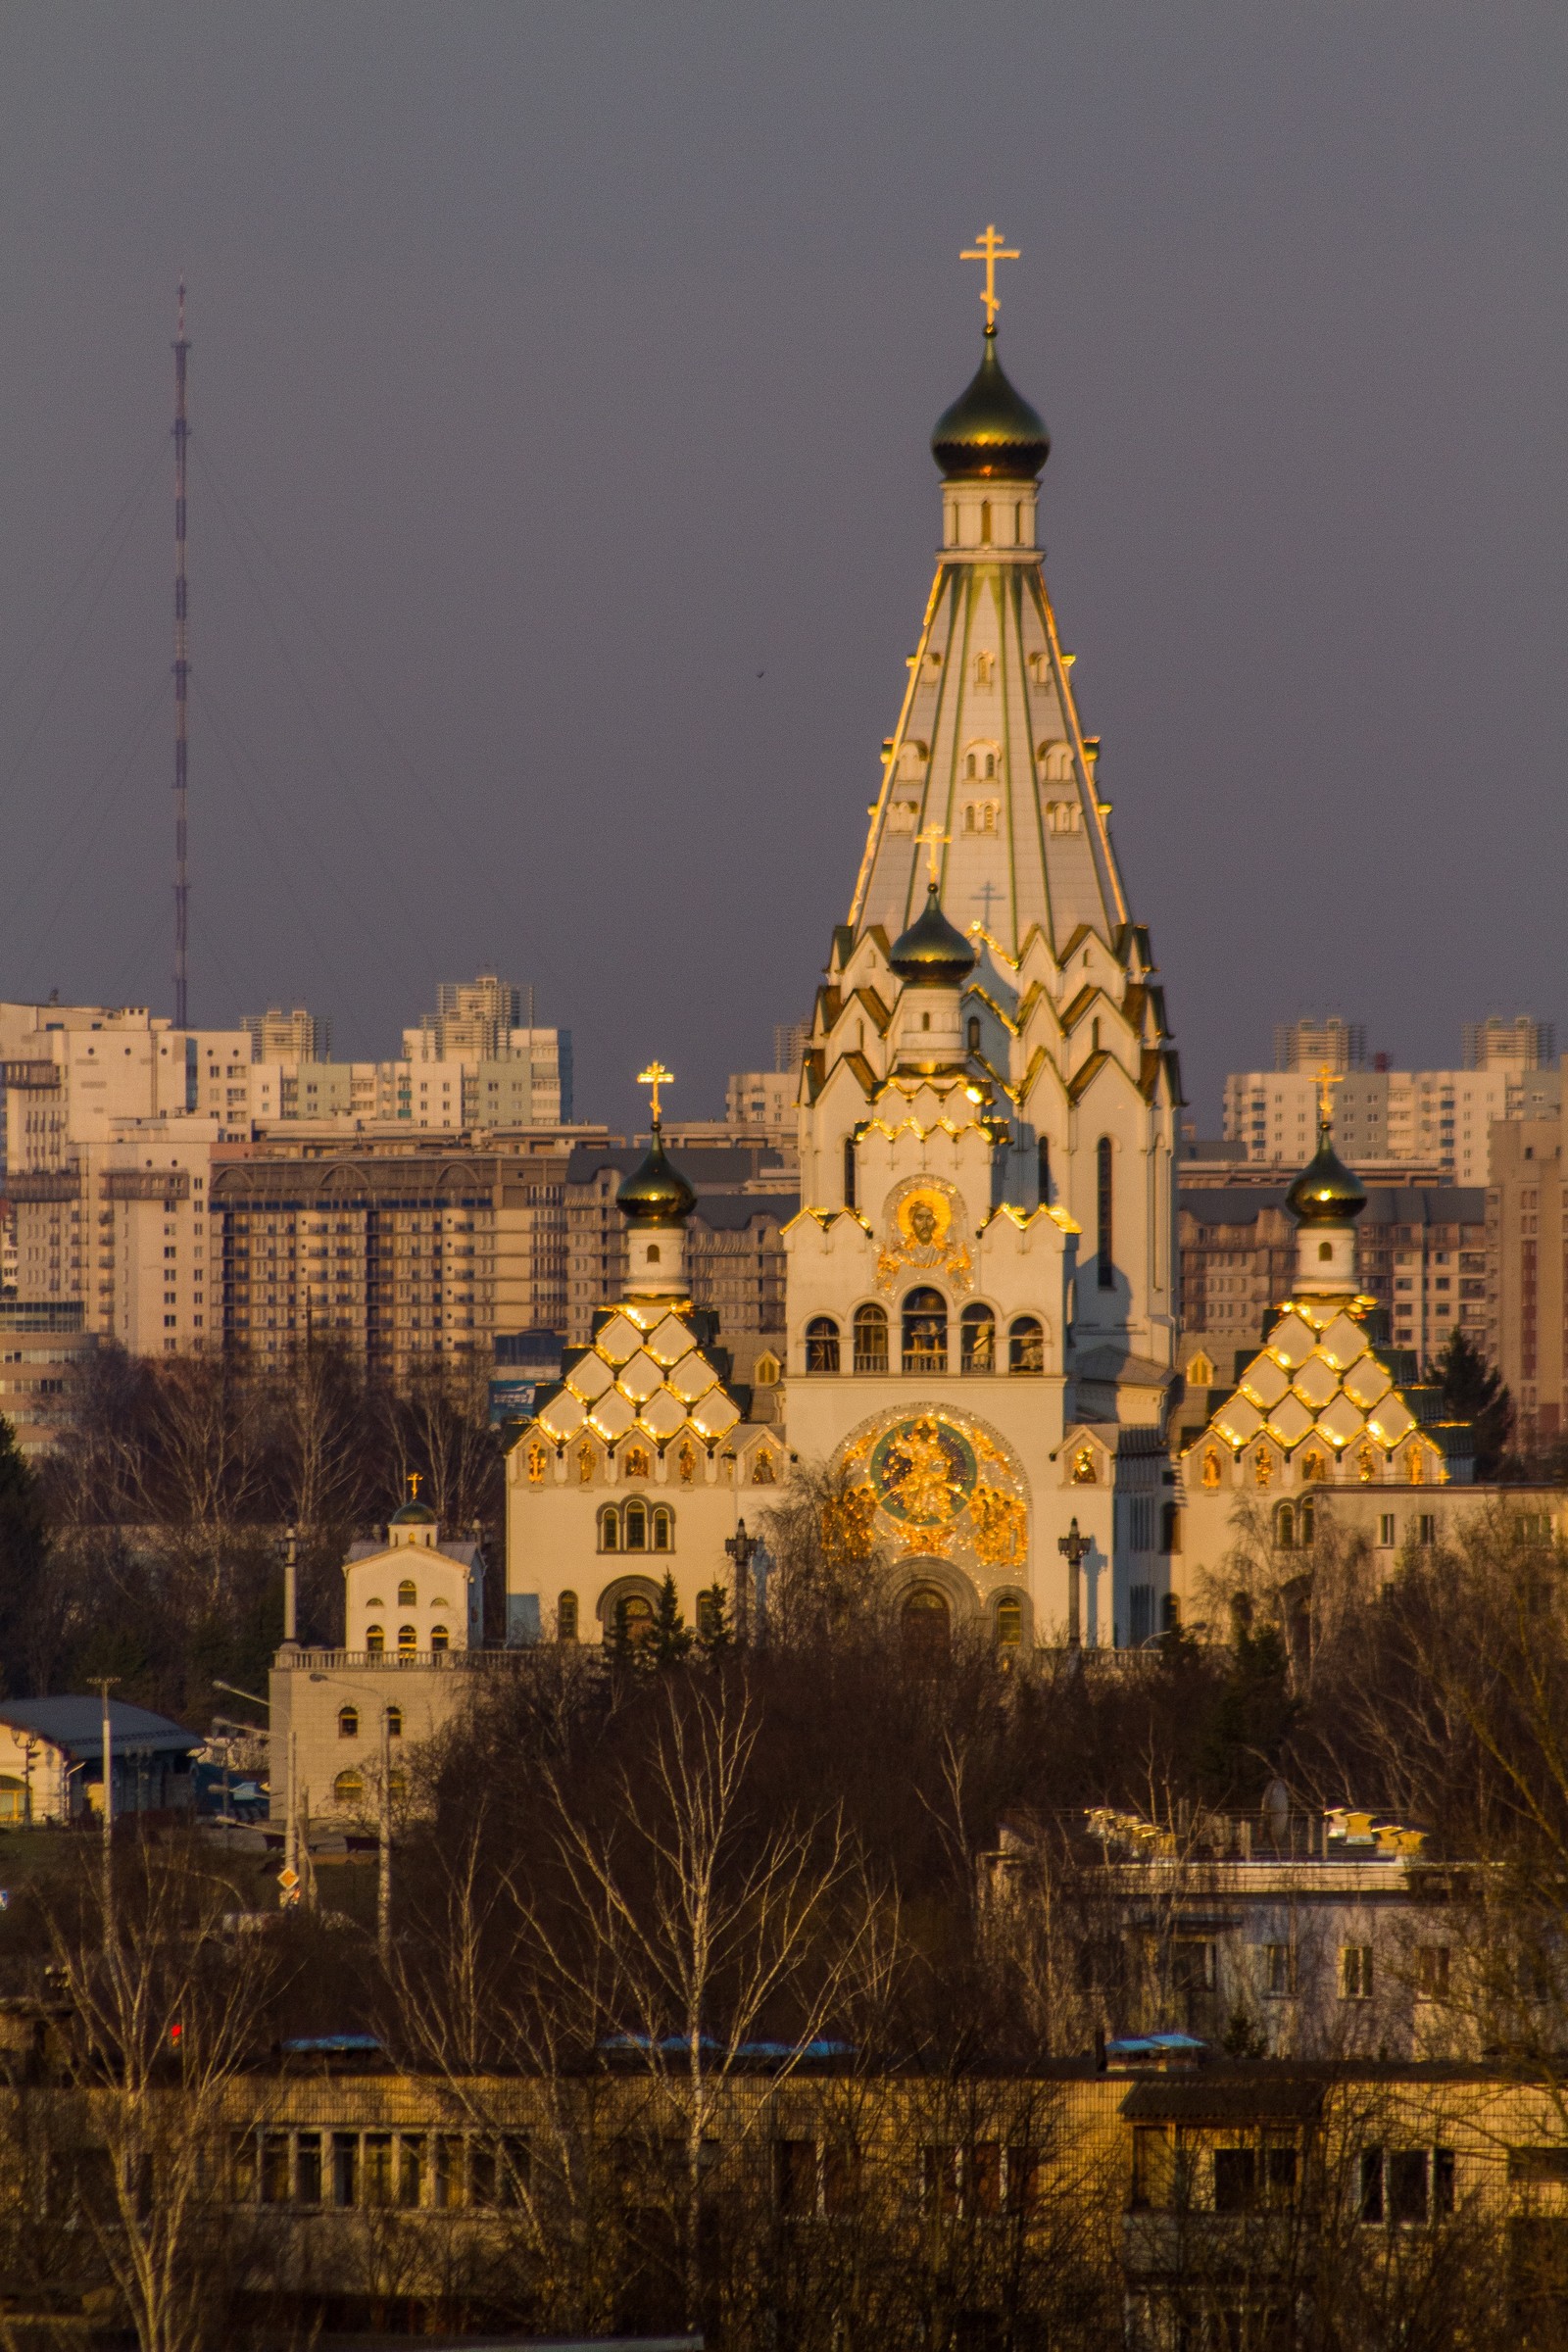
398, 1256
45, 1358
1526, 1230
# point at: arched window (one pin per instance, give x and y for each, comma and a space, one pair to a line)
821, 1345
925, 1331
849, 1171
567, 1617
1325, 1250
983, 677
664, 1528
348, 1789
440, 1639
764, 1373
394, 1722
397, 1787
871, 1338
1170, 1527
374, 1640
347, 1723
1200, 1372
1009, 1622
407, 1593
653, 1254
1105, 1242
973, 1033
634, 1616
1043, 1165
1026, 1344
608, 1529
636, 1524
1307, 1522
977, 1339
1284, 1526
408, 1640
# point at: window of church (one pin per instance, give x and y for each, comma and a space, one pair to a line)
608, 1529
394, 1722
348, 1789
973, 1033
408, 1595
636, 1526
1284, 1526
1009, 1620
925, 1330
408, 1640
977, 1339
821, 1345
567, 1617
664, 1529
1026, 1344
871, 1338
440, 1639
985, 663
1104, 1204
347, 1723
374, 1640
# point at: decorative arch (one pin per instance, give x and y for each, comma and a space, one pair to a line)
619, 1589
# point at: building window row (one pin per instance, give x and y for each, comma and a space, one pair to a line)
408, 1640
925, 1338
636, 1526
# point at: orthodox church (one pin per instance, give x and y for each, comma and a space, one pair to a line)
982, 1287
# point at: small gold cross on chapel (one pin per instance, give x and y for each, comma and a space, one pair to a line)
991, 250
656, 1075
1327, 1081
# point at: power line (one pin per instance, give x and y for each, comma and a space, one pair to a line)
68, 885
133, 497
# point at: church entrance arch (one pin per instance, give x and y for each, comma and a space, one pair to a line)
925, 1625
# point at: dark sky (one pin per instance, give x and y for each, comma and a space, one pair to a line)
561, 511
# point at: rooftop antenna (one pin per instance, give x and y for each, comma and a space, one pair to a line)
181, 671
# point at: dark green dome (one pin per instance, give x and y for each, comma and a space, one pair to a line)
1326, 1193
414, 1514
989, 432
931, 952
657, 1193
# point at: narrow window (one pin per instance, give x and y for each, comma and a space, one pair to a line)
608, 1529
374, 1640
567, 1617
985, 523
636, 1526
394, 1722
1010, 1623
977, 1339
1104, 1203
663, 1530
1043, 1160
347, 1723
925, 1331
974, 1033
871, 1338
1285, 1527
849, 1171
408, 1595
307, 2168
440, 1639
821, 1345
408, 1640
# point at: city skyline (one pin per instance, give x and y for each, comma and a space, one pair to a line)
601, 573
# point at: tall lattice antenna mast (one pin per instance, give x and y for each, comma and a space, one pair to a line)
181, 670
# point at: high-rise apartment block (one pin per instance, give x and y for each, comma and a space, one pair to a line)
1315, 1044
280, 1036
1527, 1226
1440, 1117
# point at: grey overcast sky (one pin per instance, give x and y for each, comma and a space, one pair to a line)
561, 511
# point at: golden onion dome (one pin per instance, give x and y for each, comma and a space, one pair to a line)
990, 433
932, 953
657, 1193
1326, 1193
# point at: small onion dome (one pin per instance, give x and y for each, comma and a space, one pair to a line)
1326, 1193
414, 1514
931, 952
989, 432
657, 1193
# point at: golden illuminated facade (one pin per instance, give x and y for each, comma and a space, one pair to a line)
981, 1286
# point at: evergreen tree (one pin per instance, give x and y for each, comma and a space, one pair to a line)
1473, 1391
715, 1637
670, 1641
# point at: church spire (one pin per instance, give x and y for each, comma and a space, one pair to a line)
1325, 1200
988, 749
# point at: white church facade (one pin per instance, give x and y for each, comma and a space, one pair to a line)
982, 1286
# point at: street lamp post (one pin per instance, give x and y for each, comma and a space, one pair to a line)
1074, 1549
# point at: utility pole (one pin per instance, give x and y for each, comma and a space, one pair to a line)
181, 672
291, 1585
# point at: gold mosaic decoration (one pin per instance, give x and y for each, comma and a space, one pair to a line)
923, 1229
931, 1483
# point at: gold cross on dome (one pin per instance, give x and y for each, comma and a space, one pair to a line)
414, 1486
991, 250
656, 1075
934, 838
1327, 1081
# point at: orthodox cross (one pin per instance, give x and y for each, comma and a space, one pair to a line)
934, 838
656, 1075
985, 893
991, 250
414, 1484
1327, 1081
1074, 1549
740, 1546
